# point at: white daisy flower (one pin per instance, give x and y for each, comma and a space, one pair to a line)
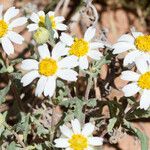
140, 82
39, 21
137, 44
7, 35
83, 48
77, 139
48, 69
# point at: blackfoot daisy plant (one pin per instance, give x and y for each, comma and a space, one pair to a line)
83, 48
137, 44
78, 138
140, 82
39, 21
64, 96
48, 69
7, 35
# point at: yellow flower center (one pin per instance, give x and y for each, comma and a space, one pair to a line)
79, 48
143, 43
3, 28
52, 19
78, 142
48, 67
144, 81
42, 21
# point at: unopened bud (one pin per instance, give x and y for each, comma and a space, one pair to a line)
41, 36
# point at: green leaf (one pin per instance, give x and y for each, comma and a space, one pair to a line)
31, 147
4, 92
16, 75
141, 136
41, 130
2, 128
78, 109
138, 114
111, 124
16, 61
12, 146
76, 106
143, 139
92, 102
3, 69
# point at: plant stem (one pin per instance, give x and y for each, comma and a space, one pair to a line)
88, 88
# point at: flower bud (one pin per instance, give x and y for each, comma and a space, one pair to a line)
10, 69
41, 36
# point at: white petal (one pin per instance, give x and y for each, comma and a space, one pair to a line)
83, 62
59, 50
66, 131
68, 62
122, 47
142, 64
51, 13
130, 89
1, 10
29, 64
131, 56
61, 143
11, 13
130, 76
96, 45
95, 141
68, 148
55, 34
35, 18
7, 46
61, 27
40, 86
67, 74
59, 19
90, 148
67, 39
76, 126
50, 86
15, 37
145, 100
43, 51
32, 27
41, 13
88, 129
29, 77
89, 34
94, 54
126, 38
136, 34
18, 22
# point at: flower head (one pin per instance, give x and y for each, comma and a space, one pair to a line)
7, 35
77, 139
83, 48
39, 21
41, 36
137, 44
140, 82
48, 68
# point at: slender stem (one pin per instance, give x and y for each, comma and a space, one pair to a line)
88, 88
87, 92
16, 96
